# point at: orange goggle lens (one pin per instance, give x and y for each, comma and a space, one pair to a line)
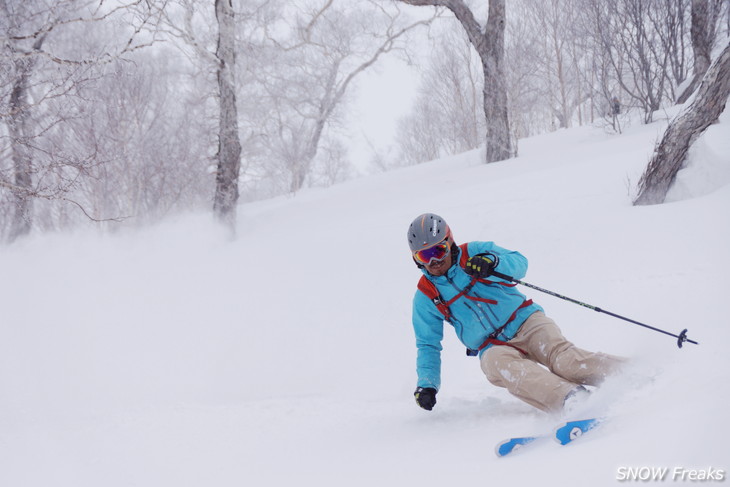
436, 253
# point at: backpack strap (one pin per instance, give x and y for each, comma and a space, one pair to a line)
464, 255
492, 338
429, 289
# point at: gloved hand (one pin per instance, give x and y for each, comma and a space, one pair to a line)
481, 265
426, 397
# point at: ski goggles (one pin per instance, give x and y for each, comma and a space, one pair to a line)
435, 253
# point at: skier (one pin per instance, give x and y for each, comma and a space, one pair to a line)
615, 106
511, 334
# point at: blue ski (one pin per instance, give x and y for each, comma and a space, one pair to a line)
509, 446
572, 430
564, 433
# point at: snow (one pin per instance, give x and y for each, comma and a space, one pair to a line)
173, 356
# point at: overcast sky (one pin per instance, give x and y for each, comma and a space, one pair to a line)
384, 94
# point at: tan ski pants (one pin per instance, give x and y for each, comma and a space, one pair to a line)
566, 366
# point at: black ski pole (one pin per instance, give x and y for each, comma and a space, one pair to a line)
681, 338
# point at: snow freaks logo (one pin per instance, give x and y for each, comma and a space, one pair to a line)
676, 474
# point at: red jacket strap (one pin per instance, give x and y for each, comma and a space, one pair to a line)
429, 289
464, 255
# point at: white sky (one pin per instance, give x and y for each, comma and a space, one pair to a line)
385, 94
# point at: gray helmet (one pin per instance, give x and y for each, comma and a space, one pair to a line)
427, 230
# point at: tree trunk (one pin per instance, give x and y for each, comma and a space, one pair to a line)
22, 220
229, 144
702, 32
489, 44
22, 164
684, 130
499, 145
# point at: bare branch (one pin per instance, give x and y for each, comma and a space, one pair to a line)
29, 193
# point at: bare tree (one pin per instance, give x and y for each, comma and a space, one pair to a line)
671, 152
705, 16
488, 41
445, 118
317, 62
45, 68
634, 44
19, 141
555, 57
529, 114
146, 123
419, 137
229, 144
213, 40
453, 83
668, 19
646, 75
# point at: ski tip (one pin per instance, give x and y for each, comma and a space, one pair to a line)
500, 449
511, 445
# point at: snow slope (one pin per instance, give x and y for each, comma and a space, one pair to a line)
172, 356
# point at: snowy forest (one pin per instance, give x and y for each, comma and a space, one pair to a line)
116, 113
204, 207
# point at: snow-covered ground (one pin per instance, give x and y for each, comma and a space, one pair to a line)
172, 356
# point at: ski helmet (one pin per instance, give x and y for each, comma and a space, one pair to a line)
427, 230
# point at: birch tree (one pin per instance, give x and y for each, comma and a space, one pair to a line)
320, 52
20, 135
211, 38
525, 87
550, 26
704, 20
43, 67
146, 122
447, 116
229, 144
488, 41
671, 152
640, 49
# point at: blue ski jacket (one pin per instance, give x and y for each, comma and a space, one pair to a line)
498, 303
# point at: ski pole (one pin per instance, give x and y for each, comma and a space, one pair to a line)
681, 338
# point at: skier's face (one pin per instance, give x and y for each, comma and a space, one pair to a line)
439, 268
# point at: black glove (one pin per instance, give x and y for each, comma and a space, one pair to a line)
481, 265
426, 397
